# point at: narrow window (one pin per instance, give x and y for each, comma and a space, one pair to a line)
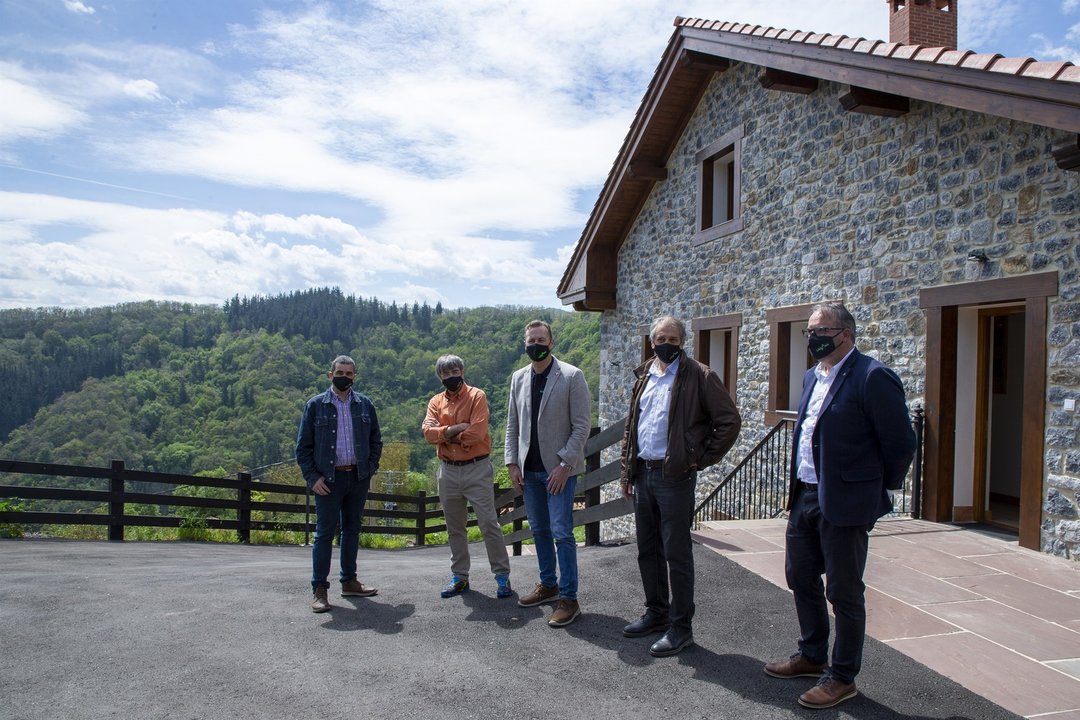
719, 201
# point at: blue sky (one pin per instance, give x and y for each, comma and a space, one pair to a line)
411, 150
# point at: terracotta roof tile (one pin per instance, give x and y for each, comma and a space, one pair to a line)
929, 54
886, 49
1070, 74
977, 61
1046, 70
967, 59
953, 57
867, 46
906, 52
1010, 66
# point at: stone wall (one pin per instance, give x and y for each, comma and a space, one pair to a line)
864, 208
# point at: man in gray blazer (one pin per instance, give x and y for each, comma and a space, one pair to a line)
547, 423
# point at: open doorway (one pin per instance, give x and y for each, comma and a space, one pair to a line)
999, 417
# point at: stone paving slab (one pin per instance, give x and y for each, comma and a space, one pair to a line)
183, 630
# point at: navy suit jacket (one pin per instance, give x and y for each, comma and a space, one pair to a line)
863, 442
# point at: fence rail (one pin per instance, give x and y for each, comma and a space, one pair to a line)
424, 511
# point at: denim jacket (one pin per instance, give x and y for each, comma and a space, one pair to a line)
316, 442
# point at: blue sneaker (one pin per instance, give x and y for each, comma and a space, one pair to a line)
504, 590
456, 586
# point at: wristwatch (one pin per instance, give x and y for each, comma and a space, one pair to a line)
564, 464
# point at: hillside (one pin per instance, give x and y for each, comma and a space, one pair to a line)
187, 389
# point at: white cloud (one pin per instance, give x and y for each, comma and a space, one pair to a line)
1067, 6
142, 89
1048, 50
982, 22
29, 112
76, 6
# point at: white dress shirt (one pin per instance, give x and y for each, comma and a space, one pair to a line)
655, 402
806, 472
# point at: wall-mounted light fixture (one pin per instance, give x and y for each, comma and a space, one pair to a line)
977, 256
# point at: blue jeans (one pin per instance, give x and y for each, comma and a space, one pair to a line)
663, 515
551, 518
341, 509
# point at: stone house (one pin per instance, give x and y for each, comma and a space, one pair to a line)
934, 191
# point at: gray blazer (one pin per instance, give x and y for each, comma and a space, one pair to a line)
564, 420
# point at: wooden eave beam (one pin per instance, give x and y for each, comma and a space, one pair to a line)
872, 102
1067, 156
703, 62
773, 79
646, 169
1049, 103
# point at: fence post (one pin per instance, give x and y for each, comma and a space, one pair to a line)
116, 504
519, 501
592, 495
243, 513
916, 476
307, 513
421, 516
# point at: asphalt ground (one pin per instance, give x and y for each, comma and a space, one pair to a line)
200, 631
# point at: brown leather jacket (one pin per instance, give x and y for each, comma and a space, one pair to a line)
703, 422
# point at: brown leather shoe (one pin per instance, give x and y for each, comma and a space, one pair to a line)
319, 601
795, 666
355, 588
566, 612
826, 693
540, 594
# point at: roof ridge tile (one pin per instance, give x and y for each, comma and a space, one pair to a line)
1049, 70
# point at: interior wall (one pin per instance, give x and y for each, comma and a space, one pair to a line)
967, 342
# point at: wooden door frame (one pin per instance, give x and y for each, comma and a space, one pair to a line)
941, 305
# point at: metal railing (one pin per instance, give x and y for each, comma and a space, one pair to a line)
758, 486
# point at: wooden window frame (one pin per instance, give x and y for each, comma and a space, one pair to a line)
701, 327
780, 321
705, 229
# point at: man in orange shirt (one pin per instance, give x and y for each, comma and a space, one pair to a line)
457, 424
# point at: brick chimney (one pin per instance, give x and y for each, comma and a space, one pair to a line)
931, 23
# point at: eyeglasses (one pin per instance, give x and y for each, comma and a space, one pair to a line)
819, 331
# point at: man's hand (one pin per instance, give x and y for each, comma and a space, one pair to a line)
320, 487
515, 477
627, 488
557, 479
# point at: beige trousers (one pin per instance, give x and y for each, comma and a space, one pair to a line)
463, 485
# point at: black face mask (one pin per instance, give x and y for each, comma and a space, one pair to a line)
821, 347
667, 353
537, 352
342, 383
453, 383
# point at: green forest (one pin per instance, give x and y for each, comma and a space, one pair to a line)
193, 389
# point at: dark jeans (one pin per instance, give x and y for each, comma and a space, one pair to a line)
663, 512
340, 510
815, 547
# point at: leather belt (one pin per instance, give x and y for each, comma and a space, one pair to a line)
808, 487
345, 468
651, 464
470, 461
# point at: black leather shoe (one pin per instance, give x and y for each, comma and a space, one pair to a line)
645, 625
672, 643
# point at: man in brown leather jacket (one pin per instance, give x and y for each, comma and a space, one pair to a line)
681, 420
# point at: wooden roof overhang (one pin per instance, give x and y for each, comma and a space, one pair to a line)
881, 76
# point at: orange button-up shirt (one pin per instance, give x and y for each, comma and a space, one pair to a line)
469, 405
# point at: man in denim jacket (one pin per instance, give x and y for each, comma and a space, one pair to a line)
339, 473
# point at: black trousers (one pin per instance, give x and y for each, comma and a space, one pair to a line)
663, 515
815, 547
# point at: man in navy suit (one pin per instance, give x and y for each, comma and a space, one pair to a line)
853, 442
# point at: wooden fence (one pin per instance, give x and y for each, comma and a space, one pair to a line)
423, 511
